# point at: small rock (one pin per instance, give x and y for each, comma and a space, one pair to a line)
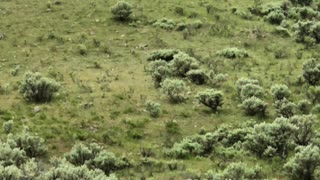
37, 109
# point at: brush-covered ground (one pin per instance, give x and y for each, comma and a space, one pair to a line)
101, 63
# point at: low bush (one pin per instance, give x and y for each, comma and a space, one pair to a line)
165, 23
176, 90
280, 91
160, 70
254, 106
153, 108
302, 2
197, 76
304, 131
304, 106
36, 88
233, 53
183, 63
122, 10
236, 171
275, 17
285, 108
8, 126
244, 81
163, 54
251, 90
210, 98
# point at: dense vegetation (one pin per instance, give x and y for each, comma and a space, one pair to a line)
159, 90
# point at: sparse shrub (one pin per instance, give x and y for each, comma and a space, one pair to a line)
8, 126
233, 53
197, 76
304, 131
313, 94
216, 79
285, 108
172, 127
311, 71
244, 81
244, 14
34, 146
176, 90
165, 23
236, 171
253, 106
304, 163
36, 88
122, 10
280, 91
316, 109
163, 54
251, 90
153, 108
275, 17
270, 139
183, 63
210, 98
304, 106
179, 10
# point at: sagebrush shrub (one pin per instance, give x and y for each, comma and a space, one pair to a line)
33, 145
197, 76
122, 10
270, 139
210, 98
304, 131
232, 53
165, 23
253, 106
36, 88
162, 54
244, 81
96, 157
302, 2
251, 90
313, 94
285, 108
153, 108
236, 171
183, 63
280, 91
160, 70
304, 106
311, 71
11, 156
176, 90
8, 126
275, 17
304, 163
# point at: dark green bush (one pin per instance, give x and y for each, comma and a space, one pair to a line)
163, 54
197, 76
36, 88
233, 53
275, 17
122, 10
302, 2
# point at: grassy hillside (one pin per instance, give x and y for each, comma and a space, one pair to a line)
101, 65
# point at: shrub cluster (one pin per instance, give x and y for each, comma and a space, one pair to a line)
165, 23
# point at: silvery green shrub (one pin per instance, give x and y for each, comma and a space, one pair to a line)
176, 90
36, 88
233, 53
253, 106
197, 76
311, 71
122, 10
280, 91
153, 108
210, 98
182, 63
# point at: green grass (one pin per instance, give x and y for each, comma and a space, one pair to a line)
39, 36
